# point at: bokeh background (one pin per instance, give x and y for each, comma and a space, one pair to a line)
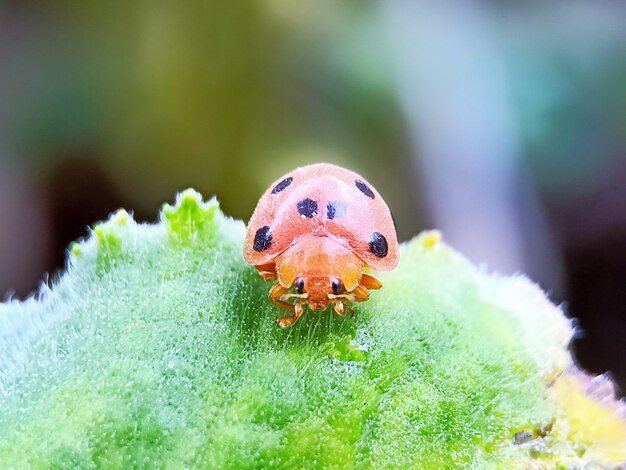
501, 123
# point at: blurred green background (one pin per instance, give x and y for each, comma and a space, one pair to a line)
501, 123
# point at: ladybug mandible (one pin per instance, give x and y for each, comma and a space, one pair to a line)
314, 230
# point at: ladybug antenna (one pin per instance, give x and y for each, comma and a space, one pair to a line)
294, 296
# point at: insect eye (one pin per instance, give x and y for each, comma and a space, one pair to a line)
337, 286
299, 285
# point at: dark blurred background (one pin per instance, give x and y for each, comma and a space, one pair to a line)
501, 123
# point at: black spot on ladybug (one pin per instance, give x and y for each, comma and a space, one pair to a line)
262, 239
365, 189
335, 209
337, 286
378, 245
307, 208
282, 185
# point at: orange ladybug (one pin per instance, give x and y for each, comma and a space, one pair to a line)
314, 230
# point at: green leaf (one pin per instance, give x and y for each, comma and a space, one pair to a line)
158, 348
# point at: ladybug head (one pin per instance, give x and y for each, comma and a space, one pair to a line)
321, 271
318, 291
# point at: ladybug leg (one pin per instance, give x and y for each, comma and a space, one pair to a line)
267, 275
267, 271
370, 282
360, 293
284, 322
276, 293
340, 308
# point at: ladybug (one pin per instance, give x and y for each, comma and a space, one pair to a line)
315, 230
